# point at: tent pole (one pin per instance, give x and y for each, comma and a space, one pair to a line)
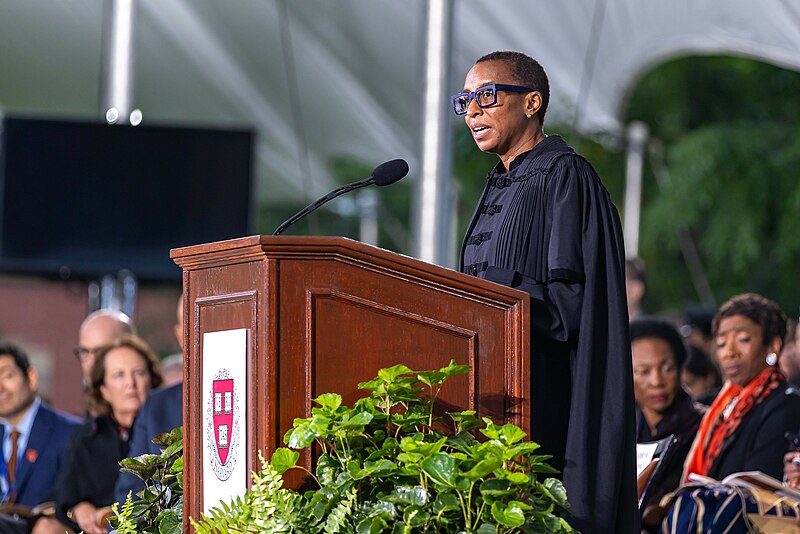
117, 78
433, 242
637, 140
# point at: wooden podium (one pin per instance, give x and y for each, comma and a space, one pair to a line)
322, 314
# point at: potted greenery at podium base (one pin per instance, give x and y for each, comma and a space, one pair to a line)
386, 466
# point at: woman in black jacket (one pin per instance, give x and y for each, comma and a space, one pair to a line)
663, 408
122, 376
744, 428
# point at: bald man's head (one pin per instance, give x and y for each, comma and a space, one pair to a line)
99, 329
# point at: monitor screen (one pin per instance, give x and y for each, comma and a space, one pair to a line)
88, 199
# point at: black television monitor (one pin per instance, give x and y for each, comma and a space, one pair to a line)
87, 198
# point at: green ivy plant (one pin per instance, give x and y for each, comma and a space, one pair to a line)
159, 508
386, 466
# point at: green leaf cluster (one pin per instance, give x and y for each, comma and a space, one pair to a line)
159, 507
385, 465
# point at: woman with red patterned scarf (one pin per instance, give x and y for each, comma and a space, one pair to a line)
743, 429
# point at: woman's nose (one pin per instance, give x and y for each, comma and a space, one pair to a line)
657, 379
473, 108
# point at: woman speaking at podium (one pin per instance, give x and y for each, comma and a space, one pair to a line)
545, 224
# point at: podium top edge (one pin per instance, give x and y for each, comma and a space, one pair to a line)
258, 246
259, 241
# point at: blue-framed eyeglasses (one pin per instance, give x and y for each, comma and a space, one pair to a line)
485, 96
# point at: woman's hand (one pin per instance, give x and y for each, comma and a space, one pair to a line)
85, 515
791, 469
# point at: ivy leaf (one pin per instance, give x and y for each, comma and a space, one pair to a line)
515, 477
390, 374
446, 502
284, 459
170, 524
483, 468
372, 525
301, 436
431, 378
441, 468
508, 434
377, 386
327, 469
329, 401
143, 466
486, 528
174, 448
510, 516
496, 487
352, 420
177, 467
453, 369
415, 516
521, 449
465, 420
412, 445
556, 490
409, 495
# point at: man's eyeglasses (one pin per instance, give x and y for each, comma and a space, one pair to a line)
82, 352
485, 96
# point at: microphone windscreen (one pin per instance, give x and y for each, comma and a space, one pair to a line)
389, 172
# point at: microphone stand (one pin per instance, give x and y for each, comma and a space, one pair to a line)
314, 205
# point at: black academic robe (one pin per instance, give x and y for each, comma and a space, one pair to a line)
548, 227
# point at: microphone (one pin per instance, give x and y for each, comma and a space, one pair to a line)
384, 174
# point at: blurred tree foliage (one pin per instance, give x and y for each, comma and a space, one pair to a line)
725, 131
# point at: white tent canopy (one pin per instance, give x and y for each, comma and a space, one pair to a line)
323, 79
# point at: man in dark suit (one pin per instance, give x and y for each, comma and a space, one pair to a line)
34, 437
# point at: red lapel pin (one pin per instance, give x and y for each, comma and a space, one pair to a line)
31, 454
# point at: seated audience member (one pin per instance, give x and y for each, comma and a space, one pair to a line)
34, 437
744, 428
696, 327
663, 408
172, 369
162, 411
100, 328
700, 375
791, 469
122, 375
635, 286
790, 357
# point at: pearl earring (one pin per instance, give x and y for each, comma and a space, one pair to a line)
772, 358
529, 115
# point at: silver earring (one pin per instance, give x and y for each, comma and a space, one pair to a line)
772, 358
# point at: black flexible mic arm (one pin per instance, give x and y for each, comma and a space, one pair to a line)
314, 205
384, 174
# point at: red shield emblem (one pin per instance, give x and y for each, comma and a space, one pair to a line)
223, 416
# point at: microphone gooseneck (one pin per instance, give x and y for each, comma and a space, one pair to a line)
384, 174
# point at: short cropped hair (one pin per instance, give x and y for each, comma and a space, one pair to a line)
699, 363
651, 327
635, 269
526, 71
20, 358
96, 401
761, 310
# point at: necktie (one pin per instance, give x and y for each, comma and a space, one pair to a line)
12, 460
